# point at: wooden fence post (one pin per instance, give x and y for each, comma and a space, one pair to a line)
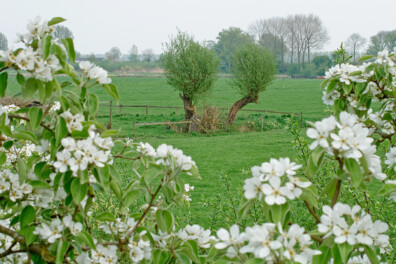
134, 133
164, 129
262, 123
111, 114
147, 109
120, 108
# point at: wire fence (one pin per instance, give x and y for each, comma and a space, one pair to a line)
147, 108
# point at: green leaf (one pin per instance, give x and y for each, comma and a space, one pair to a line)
3, 83
332, 85
355, 171
324, 257
8, 144
25, 135
93, 104
165, 221
20, 79
191, 250
131, 197
278, 213
112, 91
87, 238
371, 255
60, 130
28, 215
336, 254
330, 187
35, 115
40, 185
182, 258
365, 57
27, 233
254, 261
244, 208
56, 20
387, 189
345, 250
68, 43
22, 170
3, 158
105, 216
78, 191
30, 88
63, 246
115, 187
109, 133
47, 46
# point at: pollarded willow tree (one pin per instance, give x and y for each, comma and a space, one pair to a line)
191, 68
253, 70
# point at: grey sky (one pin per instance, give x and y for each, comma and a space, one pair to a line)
99, 25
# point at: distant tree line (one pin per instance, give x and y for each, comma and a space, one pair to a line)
295, 42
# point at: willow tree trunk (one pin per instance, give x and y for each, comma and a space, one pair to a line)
189, 110
238, 105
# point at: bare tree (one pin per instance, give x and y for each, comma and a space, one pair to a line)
148, 55
354, 43
113, 54
271, 33
61, 32
291, 35
314, 33
3, 42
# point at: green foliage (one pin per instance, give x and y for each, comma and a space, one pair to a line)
228, 41
189, 67
382, 40
253, 70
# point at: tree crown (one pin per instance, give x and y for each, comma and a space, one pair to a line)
190, 67
253, 70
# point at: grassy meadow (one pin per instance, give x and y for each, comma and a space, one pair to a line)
224, 157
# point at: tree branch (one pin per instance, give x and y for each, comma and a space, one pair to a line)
27, 119
123, 157
145, 211
313, 213
336, 193
38, 249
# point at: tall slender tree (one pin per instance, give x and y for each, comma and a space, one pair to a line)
354, 43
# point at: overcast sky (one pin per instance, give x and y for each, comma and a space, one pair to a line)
98, 25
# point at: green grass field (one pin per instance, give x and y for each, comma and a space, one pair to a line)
231, 152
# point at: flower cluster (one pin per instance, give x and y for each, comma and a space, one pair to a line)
94, 72
56, 227
346, 138
268, 242
139, 251
267, 181
197, 233
187, 189
353, 226
118, 228
31, 61
343, 79
10, 186
77, 155
36, 29
168, 156
102, 254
